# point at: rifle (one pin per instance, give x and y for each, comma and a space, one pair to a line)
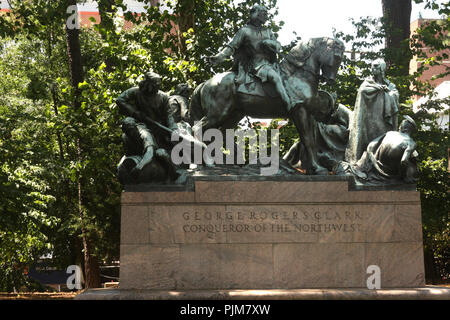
186, 137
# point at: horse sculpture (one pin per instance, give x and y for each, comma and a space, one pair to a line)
219, 103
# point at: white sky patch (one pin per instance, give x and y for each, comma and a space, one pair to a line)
312, 19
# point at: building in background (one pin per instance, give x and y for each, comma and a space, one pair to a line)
434, 70
441, 85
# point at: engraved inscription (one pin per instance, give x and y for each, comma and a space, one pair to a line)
317, 221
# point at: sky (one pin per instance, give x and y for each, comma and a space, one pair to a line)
317, 18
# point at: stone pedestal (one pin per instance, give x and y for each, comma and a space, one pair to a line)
241, 233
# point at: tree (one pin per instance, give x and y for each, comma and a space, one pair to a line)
26, 171
91, 269
397, 16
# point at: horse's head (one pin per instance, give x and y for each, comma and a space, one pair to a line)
318, 56
330, 58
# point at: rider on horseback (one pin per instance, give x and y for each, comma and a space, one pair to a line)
255, 51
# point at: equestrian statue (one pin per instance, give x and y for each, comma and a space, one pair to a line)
259, 86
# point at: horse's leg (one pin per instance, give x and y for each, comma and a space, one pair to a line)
304, 124
216, 101
213, 121
195, 112
232, 120
230, 123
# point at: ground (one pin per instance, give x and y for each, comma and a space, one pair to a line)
70, 295
38, 296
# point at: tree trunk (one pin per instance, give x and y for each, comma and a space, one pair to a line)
397, 16
431, 276
74, 55
105, 9
91, 267
185, 21
92, 270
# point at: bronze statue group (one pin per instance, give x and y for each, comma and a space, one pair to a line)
363, 143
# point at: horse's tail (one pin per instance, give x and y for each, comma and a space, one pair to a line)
195, 106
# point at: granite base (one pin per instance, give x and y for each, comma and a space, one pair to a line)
231, 233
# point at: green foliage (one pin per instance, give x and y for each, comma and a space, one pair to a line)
178, 53
39, 160
434, 184
25, 170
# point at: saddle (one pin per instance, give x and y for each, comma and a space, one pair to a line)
255, 87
